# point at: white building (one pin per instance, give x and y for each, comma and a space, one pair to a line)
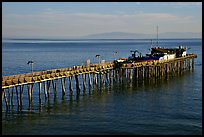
169, 56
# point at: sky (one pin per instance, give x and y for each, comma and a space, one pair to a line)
75, 19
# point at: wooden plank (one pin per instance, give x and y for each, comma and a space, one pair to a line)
15, 81
21, 80
47, 76
35, 78
56, 74
28, 79
61, 74
8, 82
39, 78
3, 83
52, 75
66, 73
43, 76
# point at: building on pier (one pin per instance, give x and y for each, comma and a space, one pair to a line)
157, 54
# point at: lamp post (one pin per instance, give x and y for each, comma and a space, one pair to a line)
114, 52
188, 49
31, 62
98, 56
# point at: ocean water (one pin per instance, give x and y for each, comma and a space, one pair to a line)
158, 107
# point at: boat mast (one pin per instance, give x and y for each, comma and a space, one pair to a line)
157, 36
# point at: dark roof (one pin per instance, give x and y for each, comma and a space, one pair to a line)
167, 50
162, 50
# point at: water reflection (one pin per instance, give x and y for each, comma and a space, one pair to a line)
69, 108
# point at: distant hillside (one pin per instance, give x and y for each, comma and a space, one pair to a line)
118, 35
123, 35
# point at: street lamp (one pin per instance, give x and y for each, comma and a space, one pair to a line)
31, 62
98, 56
114, 52
188, 49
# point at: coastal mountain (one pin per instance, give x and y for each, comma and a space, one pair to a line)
118, 35
123, 35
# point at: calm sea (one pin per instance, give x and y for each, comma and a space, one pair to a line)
162, 106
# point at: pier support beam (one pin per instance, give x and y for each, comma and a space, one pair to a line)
63, 86
5, 98
48, 88
115, 75
130, 75
84, 82
90, 82
12, 97
39, 93
70, 85
45, 89
192, 64
29, 94
17, 96
95, 80
101, 75
107, 77
54, 84
77, 84
21, 95
9, 96
110, 76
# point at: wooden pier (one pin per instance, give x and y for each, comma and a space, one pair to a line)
97, 74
